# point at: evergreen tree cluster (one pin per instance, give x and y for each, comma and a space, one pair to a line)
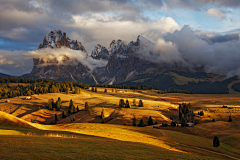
37, 86
201, 113
54, 105
127, 104
185, 113
140, 87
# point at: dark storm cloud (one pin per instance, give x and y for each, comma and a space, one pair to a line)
29, 20
95, 6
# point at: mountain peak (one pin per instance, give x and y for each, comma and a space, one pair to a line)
144, 41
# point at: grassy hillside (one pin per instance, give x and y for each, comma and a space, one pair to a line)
199, 82
120, 136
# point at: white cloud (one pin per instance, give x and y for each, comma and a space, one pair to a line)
49, 54
215, 13
103, 29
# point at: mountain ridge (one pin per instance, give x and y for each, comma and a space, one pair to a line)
125, 65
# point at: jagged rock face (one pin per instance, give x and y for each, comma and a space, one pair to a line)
68, 69
124, 63
55, 39
100, 52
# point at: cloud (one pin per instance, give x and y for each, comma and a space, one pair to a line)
215, 13
74, 56
14, 63
199, 4
101, 29
186, 48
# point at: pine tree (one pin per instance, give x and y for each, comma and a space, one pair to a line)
74, 109
127, 104
78, 109
134, 120
73, 119
216, 141
67, 91
95, 89
103, 114
150, 121
49, 105
70, 108
121, 103
56, 117
105, 91
86, 106
141, 124
183, 122
230, 119
134, 102
140, 104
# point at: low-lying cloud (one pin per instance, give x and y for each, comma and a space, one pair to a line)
190, 50
74, 56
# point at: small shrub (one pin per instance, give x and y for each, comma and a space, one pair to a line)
164, 124
213, 120
173, 124
201, 113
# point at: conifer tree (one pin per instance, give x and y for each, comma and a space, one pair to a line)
86, 106
150, 121
121, 103
141, 124
216, 141
103, 114
230, 119
105, 91
70, 108
134, 120
127, 104
134, 102
140, 104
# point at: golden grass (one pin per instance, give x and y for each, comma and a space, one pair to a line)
8, 119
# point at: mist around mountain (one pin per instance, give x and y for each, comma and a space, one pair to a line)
178, 60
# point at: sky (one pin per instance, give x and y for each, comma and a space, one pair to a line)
24, 23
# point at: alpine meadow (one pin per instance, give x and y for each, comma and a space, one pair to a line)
113, 79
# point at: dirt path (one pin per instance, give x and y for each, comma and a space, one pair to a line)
203, 149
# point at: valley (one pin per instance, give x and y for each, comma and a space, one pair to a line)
17, 115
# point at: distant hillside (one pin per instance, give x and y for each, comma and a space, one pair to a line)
5, 75
198, 82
